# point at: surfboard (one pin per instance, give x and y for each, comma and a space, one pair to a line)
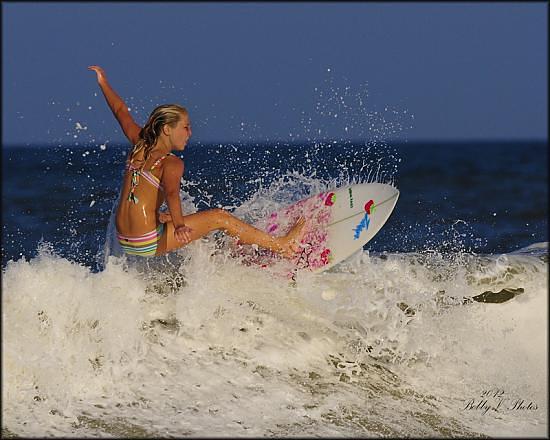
338, 223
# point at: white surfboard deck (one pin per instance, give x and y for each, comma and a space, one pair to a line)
338, 223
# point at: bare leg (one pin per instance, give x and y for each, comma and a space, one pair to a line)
205, 222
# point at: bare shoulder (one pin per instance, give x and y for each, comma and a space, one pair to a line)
173, 165
173, 161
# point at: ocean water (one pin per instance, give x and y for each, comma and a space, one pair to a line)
437, 328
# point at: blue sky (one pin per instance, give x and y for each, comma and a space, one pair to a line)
273, 71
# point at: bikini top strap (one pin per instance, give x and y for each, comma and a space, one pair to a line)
136, 172
159, 160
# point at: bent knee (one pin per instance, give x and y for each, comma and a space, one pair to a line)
221, 216
220, 212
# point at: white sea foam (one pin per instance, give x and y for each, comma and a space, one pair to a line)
247, 353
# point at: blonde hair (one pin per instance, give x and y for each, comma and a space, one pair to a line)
167, 114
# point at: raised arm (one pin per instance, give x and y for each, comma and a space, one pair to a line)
118, 107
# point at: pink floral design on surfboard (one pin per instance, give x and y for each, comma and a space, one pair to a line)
314, 253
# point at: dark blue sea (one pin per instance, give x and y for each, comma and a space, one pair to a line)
496, 191
437, 328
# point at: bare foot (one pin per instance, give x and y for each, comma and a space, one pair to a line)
291, 241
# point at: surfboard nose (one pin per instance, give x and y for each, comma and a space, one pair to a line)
379, 193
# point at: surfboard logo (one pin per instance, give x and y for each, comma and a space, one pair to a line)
350, 197
364, 224
370, 207
365, 221
331, 198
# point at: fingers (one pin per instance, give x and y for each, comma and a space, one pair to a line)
180, 235
186, 237
99, 72
183, 234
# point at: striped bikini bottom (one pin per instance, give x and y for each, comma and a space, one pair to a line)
145, 245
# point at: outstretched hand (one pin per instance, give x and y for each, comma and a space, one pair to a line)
100, 73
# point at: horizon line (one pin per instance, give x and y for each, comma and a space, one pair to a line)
296, 142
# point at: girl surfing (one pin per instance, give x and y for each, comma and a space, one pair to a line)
152, 176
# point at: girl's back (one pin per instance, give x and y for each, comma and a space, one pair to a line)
140, 196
